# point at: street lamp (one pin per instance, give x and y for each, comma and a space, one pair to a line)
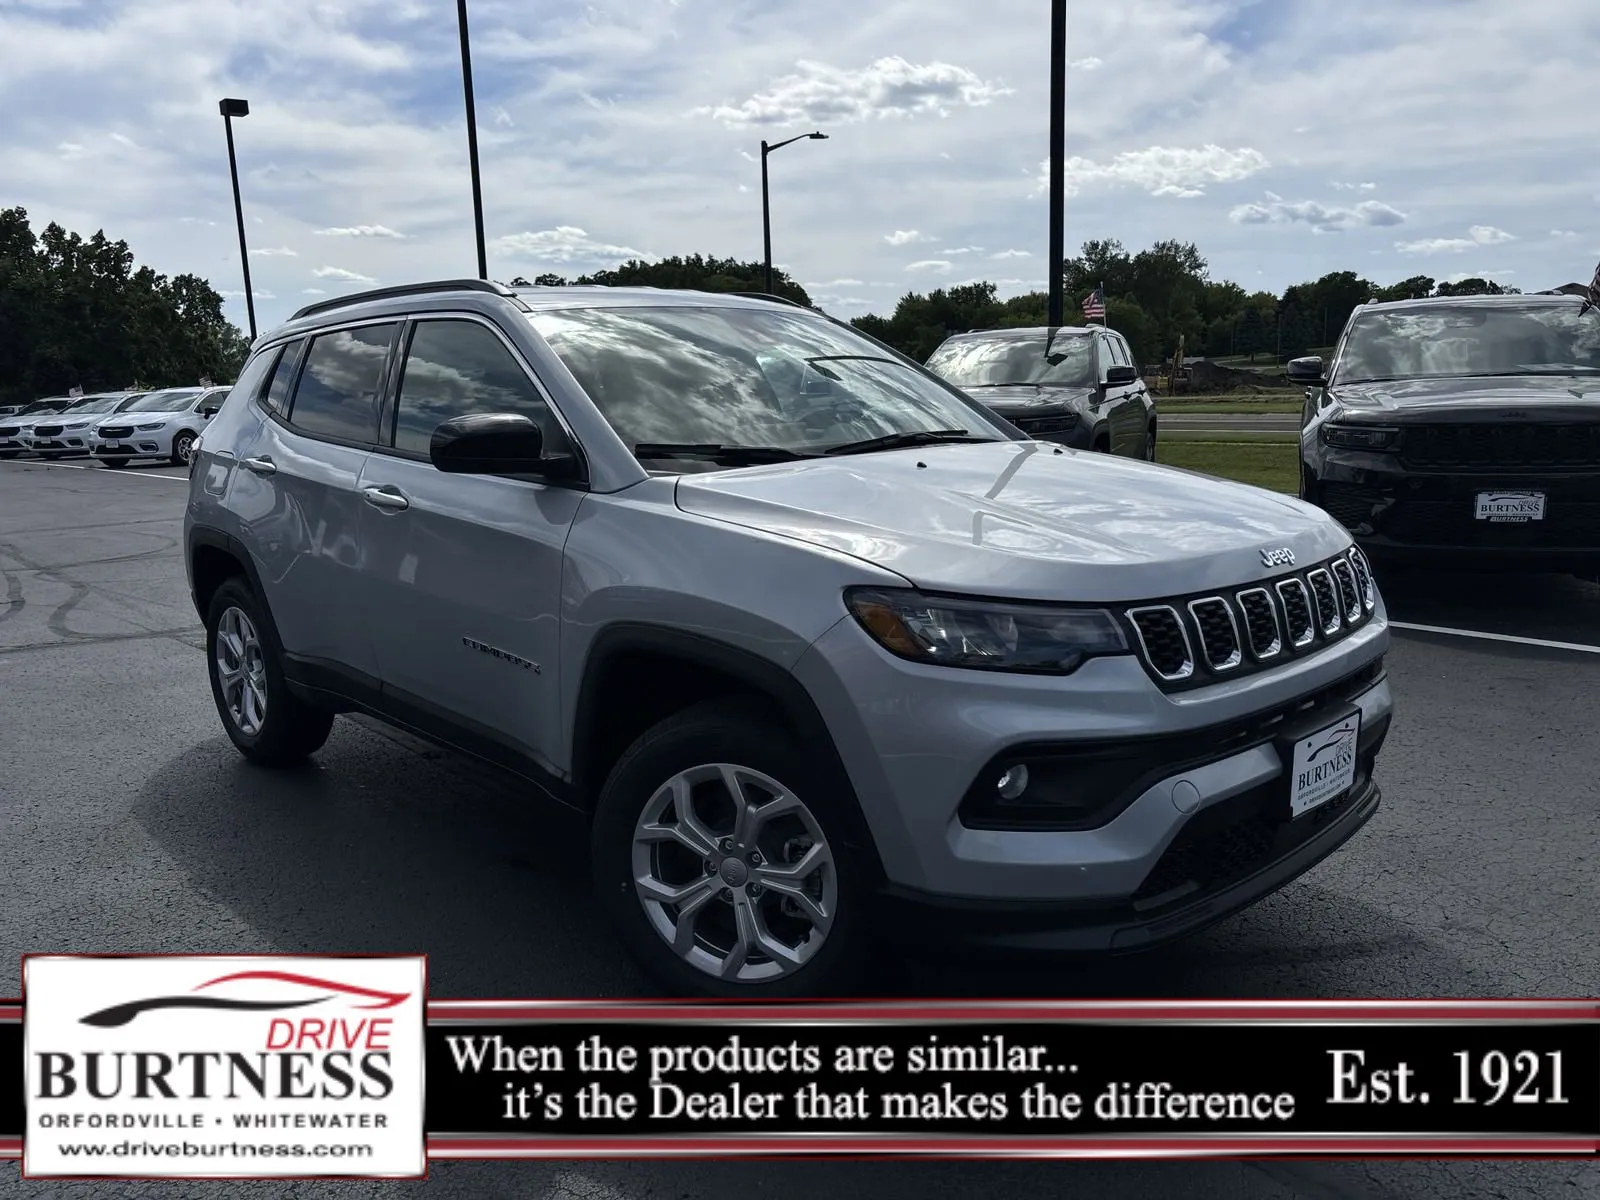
472, 137
766, 203
231, 109
1058, 158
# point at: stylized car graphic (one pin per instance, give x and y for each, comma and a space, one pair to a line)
121, 1014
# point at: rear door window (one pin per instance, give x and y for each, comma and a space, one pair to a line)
277, 394
337, 395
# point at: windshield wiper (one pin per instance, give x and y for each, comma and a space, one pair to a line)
734, 456
897, 441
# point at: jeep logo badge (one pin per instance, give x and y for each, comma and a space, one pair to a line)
1280, 556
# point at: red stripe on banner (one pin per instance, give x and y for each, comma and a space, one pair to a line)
457, 1011
932, 1147
10, 1148
10, 1012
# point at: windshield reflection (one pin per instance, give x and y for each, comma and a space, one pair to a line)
1017, 360
746, 377
1459, 340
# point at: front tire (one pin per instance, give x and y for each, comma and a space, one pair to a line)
722, 859
1150, 444
112, 462
182, 448
268, 724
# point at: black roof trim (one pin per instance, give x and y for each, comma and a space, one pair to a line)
410, 289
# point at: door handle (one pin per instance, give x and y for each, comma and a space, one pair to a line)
261, 466
390, 501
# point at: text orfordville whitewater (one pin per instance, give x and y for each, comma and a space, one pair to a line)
218, 1066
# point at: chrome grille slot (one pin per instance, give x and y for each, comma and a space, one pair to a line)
1219, 632
1326, 600
1349, 591
1260, 622
1369, 590
1301, 622
1163, 641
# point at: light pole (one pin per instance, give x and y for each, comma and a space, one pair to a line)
231, 109
472, 138
1058, 156
766, 203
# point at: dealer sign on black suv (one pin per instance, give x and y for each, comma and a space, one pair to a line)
1463, 428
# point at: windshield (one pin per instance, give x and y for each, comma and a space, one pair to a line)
749, 378
103, 404
171, 400
1067, 360
1438, 341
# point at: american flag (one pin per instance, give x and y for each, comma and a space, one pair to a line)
1591, 298
1094, 308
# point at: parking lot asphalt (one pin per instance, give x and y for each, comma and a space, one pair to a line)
129, 823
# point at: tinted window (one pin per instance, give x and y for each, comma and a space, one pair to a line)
277, 397
338, 391
1010, 359
458, 367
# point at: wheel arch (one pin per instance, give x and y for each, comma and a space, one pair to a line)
636, 675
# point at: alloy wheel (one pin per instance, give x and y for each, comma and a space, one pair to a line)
241, 668
734, 873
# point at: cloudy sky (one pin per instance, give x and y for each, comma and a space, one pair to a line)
1286, 137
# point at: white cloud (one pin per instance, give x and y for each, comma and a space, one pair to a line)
931, 266
1012, 254
502, 117
1161, 170
963, 250
1323, 218
377, 231
70, 149
907, 237
238, 294
565, 244
124, 140
1478, 235
276, 252
1563, 233
1083, 64
819, 94
342, 275
314, 291
1354, 187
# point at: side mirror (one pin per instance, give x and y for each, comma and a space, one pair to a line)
1119, 375
209, 411
494, 444
1306, 370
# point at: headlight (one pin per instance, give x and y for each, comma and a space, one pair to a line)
985, 634
153, 427
1359, 437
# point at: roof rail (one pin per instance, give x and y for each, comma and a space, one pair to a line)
407, 289
776, 299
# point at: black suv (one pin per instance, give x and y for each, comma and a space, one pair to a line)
1074, 386
1465, 428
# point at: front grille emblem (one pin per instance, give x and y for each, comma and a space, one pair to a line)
1280, 556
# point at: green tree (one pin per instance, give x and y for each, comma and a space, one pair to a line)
697, 272
1474, 287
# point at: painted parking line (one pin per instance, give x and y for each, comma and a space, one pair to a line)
1514, 639
102, 470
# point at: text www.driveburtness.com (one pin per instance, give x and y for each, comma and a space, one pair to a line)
213, 1150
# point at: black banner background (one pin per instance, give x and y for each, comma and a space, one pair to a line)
1235, 1058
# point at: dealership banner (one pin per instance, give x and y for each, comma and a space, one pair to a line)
340, 1066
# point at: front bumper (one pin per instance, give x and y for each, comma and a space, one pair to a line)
65, 444
1395, 513
137, 445
1059, 429
916, 742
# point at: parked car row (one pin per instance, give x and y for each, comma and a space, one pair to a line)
114, 428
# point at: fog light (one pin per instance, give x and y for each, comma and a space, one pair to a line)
1013, 782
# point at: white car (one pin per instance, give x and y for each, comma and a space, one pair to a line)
162, 424
16, 431
66, 433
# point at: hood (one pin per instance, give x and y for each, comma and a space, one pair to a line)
1552, 397
1024, 399
1023, 520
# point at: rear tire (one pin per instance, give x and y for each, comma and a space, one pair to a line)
759, 923
268, 724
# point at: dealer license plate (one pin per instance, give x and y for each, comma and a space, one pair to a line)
1322, 766
112, 446
1514, 508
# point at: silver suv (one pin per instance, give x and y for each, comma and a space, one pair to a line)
827, 651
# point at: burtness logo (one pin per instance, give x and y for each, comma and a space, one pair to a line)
304, 1067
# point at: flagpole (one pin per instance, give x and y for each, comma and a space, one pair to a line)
1105, 306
